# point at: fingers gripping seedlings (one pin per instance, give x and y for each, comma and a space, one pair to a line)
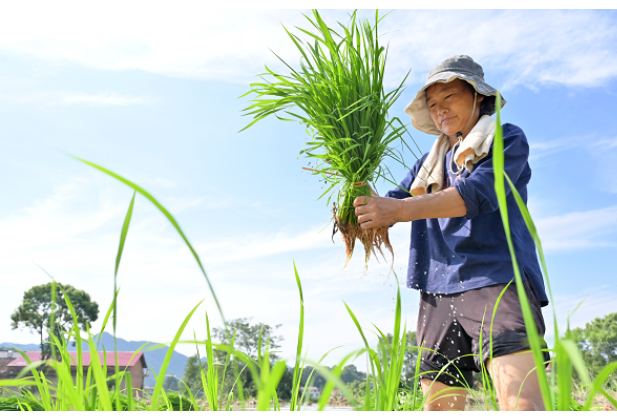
346, 221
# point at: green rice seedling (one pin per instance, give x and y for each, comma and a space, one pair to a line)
269, 378
21, 400
338, 95
265, 377
298, 366
419, 402
310, 380
211, 383
158, 387
487, 387
125, 402
332, 380
386, 370
123, 234
175, 402
493, 397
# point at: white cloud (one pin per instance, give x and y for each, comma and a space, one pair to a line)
607, 143
51, 98
104, 99
540, 149
578, 230
186, 40
529, 47
591, 302
191, 40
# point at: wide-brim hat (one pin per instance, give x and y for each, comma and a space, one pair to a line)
457, 67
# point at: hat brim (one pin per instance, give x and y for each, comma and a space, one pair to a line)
418, 110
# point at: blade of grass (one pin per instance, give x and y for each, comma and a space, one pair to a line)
598, 382
168, 215
123, 234
532, 333
100, 378
158, 387
105, 320
297, 373
333, 379
564, 376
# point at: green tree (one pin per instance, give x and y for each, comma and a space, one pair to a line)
192, 376
358, 388
350, 374
317, 380
598, 341
36, 308
246, 340
171, 383
247, 336
285, 386
411, 357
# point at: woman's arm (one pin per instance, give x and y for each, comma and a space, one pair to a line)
376, 212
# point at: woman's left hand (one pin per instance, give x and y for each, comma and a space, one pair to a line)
375, 211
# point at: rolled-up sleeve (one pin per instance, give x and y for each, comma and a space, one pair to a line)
478, 189
405, 185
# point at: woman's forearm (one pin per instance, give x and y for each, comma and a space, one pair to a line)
443, 204
375, 211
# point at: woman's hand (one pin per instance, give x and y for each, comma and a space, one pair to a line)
375, 211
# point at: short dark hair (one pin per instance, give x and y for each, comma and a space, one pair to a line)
487, 106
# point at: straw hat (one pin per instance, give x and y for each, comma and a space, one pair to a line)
457, 67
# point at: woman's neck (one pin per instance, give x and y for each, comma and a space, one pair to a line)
453, 139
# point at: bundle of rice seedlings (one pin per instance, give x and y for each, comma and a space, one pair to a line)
338, 94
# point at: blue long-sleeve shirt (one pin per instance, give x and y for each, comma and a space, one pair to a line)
451, 255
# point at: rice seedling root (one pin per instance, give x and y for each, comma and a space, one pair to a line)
346, 222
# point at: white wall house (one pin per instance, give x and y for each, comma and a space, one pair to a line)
311, 392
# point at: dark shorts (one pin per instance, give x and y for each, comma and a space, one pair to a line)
450, 325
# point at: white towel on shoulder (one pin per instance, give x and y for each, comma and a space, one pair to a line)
473, 148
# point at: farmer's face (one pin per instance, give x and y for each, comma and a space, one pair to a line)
450, 105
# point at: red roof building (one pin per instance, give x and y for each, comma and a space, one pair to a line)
132, 362
125, 359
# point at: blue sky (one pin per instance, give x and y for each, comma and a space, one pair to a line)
153, 95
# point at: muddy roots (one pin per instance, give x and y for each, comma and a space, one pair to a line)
371, 239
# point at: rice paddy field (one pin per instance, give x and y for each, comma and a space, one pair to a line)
105, 388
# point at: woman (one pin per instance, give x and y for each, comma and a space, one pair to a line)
459, 258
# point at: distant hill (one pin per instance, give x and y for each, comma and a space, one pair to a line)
24, 347
154, 358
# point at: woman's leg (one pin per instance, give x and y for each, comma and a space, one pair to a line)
509, 372
445, 355
443, 397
